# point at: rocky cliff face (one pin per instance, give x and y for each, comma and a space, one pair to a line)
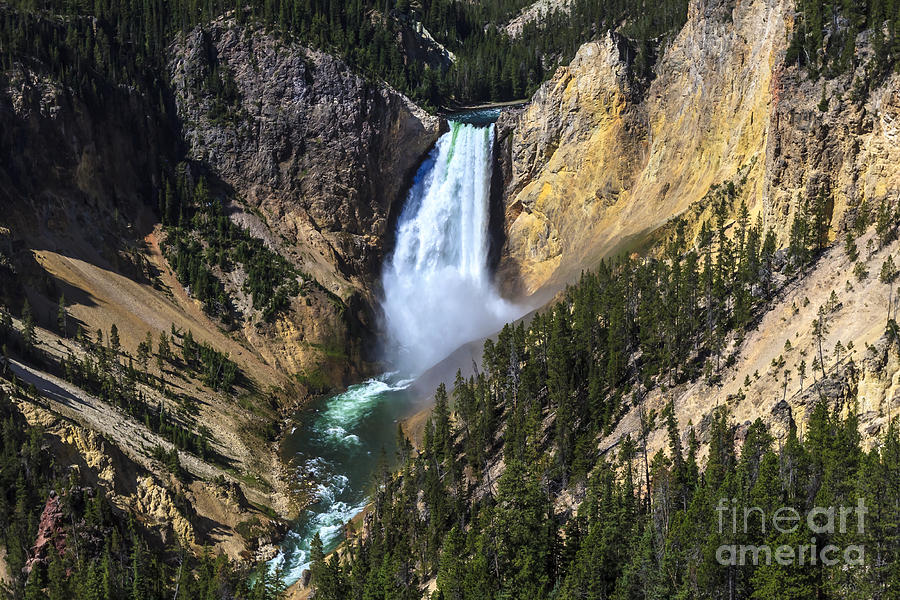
568, 160
67, 167
592, 167
323, 154
847, 146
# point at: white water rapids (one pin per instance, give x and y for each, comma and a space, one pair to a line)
438, 295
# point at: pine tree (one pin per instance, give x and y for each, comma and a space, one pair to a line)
523, 528
820, 329
443, 440
559, 384
325, 575
57, 584
144, 350
114, 340
62, 316
799, 237
404, 447
187, 348
884, 223
34, 586
850, 246
28, 325
108, 579
6, 323
138, 584
887, 276
452, 570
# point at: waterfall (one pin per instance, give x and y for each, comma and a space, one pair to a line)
438, 292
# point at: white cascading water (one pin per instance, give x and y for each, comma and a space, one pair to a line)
438, 292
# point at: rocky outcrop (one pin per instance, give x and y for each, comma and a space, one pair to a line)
535, 13
845, 147
773, 380
619, 165
51, 536
154, 503
91, 447
322, 153
566, 160
419, 46
878, 385
592, 169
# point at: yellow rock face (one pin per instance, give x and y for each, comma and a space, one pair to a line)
591, 167
594, 166
154, 502
572, 155
879, 386
89, 445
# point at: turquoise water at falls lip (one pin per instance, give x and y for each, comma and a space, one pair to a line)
438, 295
476, 116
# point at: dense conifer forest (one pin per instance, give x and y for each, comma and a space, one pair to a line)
91, 45
629, 537
646, 526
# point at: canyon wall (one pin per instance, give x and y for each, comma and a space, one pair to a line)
316, 161
590, 167
325, 155
593, 166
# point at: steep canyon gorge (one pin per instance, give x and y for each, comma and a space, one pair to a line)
315, 161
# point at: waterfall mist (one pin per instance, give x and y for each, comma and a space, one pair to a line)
438, 291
